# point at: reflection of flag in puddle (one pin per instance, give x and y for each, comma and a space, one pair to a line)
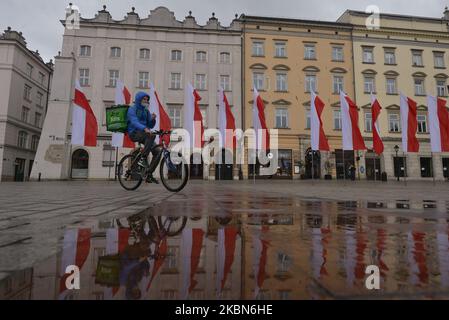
320, 238
443, 257
158, 261
380, 244
76, 247
360, 257
260, 248
116, 242
350, 256
417, 258
225, 255
192, 243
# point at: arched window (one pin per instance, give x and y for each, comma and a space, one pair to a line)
201, 56
225, 57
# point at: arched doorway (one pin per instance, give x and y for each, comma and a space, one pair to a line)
224, 171
80, 164
196, 166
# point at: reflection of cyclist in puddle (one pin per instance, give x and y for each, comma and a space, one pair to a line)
134, 266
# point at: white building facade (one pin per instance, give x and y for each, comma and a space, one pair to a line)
139, 51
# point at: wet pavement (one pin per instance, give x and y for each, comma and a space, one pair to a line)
223, 241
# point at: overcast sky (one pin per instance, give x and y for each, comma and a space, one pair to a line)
39, 20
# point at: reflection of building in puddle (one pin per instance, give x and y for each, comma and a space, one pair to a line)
16, 285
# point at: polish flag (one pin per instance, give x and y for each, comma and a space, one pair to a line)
317, 136
193, 120
381, 245
122, 97
84, 123
260, 262
162, 119
319, 251
438, 124
191, 244
225, 254
159, 260
259, 123
226, 122
352, 138
409, 124
76, 247
378, 145
116, 242
360, 257
350, 258
417, 258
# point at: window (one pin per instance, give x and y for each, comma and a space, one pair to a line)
284, 262
280, 49
203, 111
400, 166
394, 123
113, 77
40, 99
368, 55
85, 51
225, 82
419, 87
176, 55
422, 123
426, 167
391, 86
337, 120
116, 52
41, 78
144, 79
441, 88
369, 84
29, 70
258, 80
37, 120
175, 81
201, 56
144, 54
308, 121
281, 82
175, 116
337, 54
34, 142
108, 156
258, 49
27, 93
22, 140
390, 57
309, 52
438, 57
225, 57
310, 83
281, 118
84, 77
25, 114
338, 84
171, 260
417, 58
368, 122
200, 81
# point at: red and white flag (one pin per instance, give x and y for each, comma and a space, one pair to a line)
226, 122
159, 260
350, 257
419, 273
259, 123
225, 254
320, 238
438, 124
84, 123
381, 245
191, 245
317, 137
116, 242
193, 119
122, 97
409, 124
76, 247
352, 138
162, 119
260, 247
378, 145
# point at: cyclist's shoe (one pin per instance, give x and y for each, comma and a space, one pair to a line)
151, 179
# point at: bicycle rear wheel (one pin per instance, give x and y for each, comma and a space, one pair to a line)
128, 172
174, 177
172, 226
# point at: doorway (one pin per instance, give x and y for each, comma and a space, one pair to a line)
343, 170
313, 164
373, 170
224, 171
19, 170
196, 166
80, 164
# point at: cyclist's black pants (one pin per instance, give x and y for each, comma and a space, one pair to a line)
146, 139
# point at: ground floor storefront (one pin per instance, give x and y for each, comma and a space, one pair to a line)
15, 164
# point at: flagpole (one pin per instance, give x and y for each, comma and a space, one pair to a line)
116, 159
344, 168
312, 166
405, 168
375, 172
433, 171
110, 160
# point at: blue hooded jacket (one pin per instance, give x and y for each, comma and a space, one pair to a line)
139, 117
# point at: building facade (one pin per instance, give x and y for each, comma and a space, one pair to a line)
25, 79
402, 54
157, 49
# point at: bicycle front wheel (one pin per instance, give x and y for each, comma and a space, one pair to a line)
174, 177
128, 173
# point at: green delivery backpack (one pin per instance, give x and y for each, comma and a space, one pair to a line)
117, 118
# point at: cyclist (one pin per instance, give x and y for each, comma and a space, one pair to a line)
139, 124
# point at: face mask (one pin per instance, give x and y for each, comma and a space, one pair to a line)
145, 104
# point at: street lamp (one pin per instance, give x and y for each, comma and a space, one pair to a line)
396, 149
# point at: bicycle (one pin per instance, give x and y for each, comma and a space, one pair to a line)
174, 177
